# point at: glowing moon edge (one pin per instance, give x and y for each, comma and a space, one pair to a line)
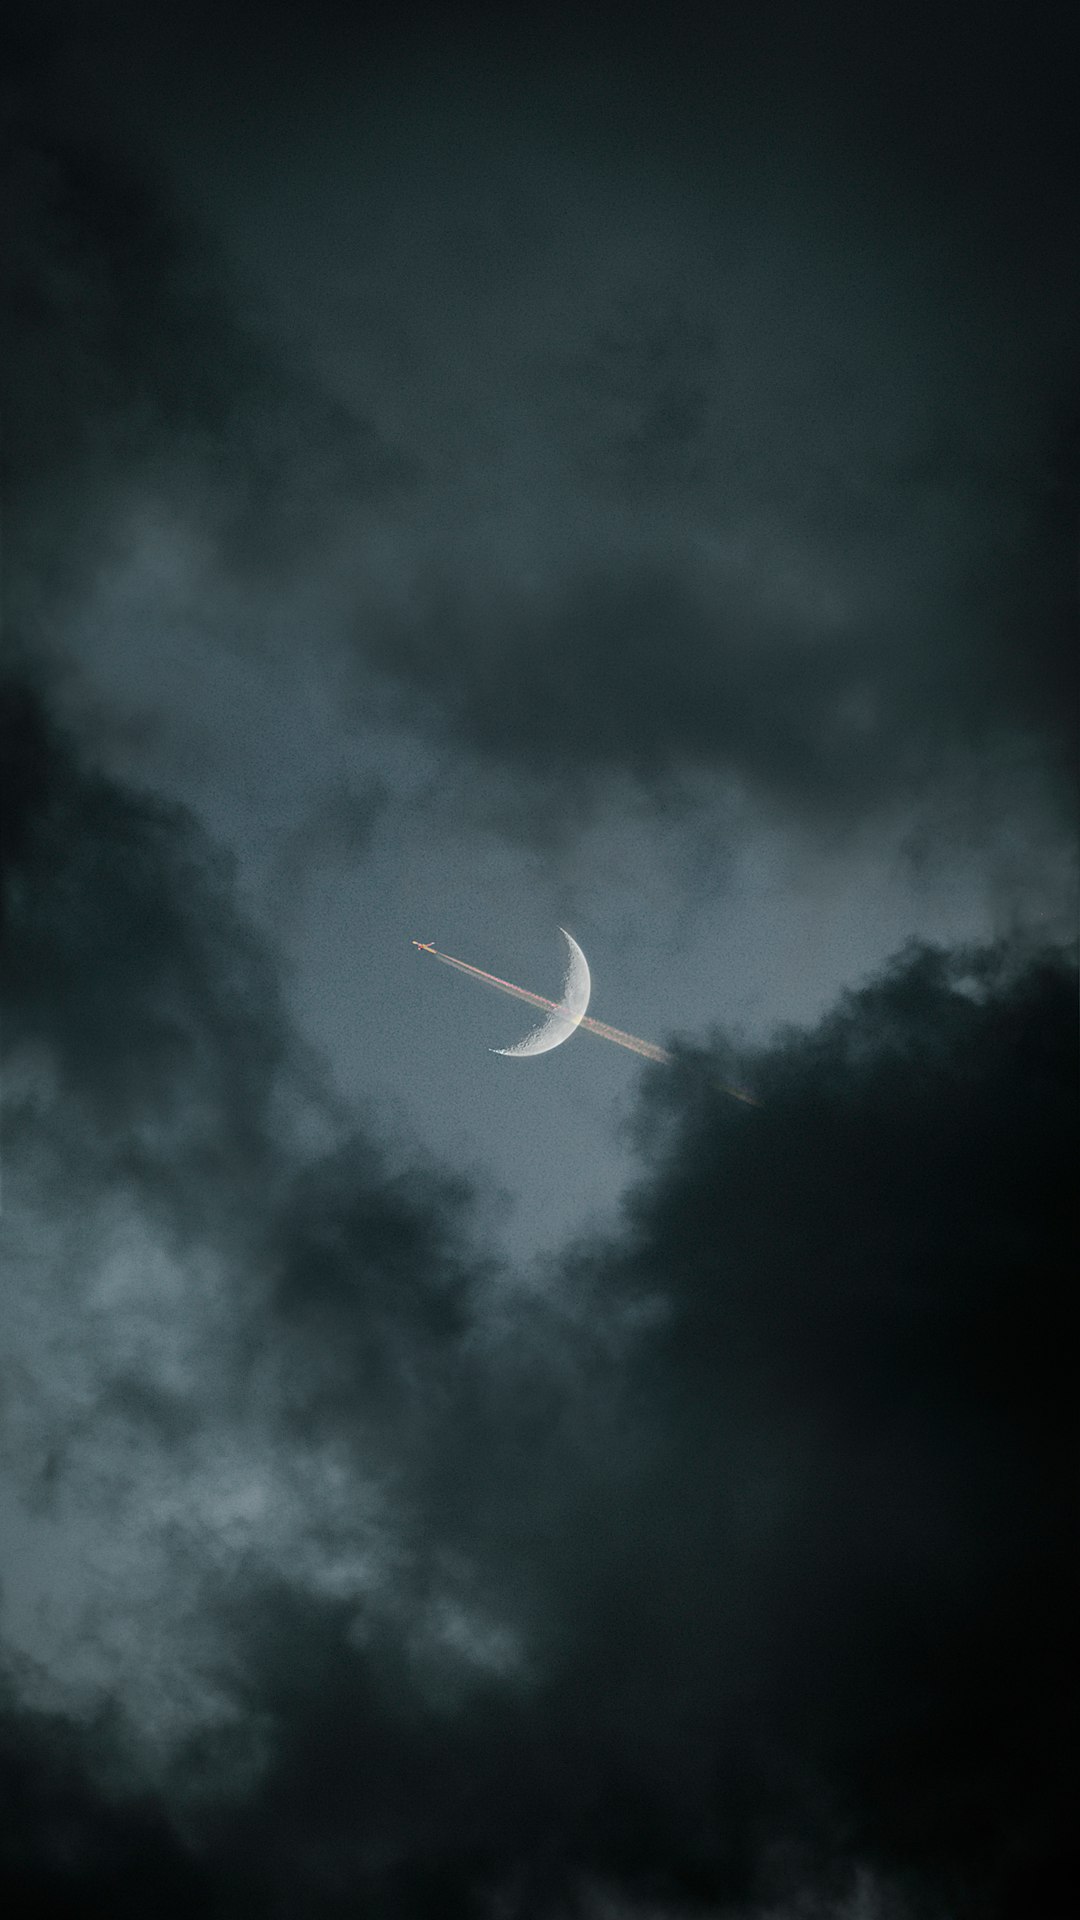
564, 1019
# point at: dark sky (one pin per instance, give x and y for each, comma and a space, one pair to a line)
487, 471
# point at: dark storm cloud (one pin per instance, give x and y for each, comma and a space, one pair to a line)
66, 1849
130, 981
818, 555
133, 371
725, 1573
648, 669
800, 1591
810, 407
729, 1571
730, 362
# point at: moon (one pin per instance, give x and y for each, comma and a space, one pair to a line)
561, 1022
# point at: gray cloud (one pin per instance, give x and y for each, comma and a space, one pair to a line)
134, 372
333, 834
690, 436
643, 434
729, 1565
131, 982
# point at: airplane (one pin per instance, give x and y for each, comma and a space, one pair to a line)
424, 946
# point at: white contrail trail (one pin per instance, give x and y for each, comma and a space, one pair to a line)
646, 1048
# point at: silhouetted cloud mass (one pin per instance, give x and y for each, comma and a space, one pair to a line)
756, 455
471, 462
134, 375
733, 1568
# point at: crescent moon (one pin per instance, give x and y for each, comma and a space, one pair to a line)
561, 1022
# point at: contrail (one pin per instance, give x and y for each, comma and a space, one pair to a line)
629, 1040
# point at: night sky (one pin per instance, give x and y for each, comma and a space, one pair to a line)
467, 474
